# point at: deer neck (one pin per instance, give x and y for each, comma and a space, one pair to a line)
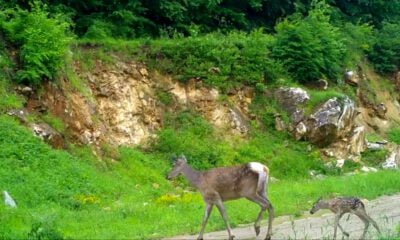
192, 175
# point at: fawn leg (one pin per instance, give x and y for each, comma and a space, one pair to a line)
369, 219
337, 216
209, 208
222, 210
362, 215
343, 231
341, 228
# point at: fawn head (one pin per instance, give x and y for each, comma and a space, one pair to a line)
316, 206
179, 162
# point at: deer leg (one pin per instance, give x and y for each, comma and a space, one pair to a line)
371, 221
265, 204
367, 220
209, 208
260, 201
271, 214
337, 217
362, 215
340, 227
222, 210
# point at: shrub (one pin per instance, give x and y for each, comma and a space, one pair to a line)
42, 41
385, 54
310, 48
220, 60
358, 40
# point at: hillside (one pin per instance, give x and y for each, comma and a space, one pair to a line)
92, 110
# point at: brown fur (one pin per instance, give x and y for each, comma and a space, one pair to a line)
228, 183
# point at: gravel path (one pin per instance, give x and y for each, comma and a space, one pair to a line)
384, 210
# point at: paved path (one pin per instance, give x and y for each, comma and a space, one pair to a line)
385, 210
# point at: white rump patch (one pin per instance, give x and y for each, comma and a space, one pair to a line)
256, 167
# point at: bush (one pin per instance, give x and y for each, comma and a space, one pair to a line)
220, 60
42, 41
310, 48
385, 54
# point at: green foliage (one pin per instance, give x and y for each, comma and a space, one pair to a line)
310, 48
164, 97
44, 231
318, 98
394, 135
220, 60
54, 122
8, 100
48, 175
43, 41
374, 157
385, 54
358, 41
63, 196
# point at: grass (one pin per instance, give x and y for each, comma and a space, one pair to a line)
77, 196
54, 122
394, 135
8, 100
318, 97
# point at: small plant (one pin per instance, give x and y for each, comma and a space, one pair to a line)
374, 157
164, 97
44, 231
394, 135
54, 122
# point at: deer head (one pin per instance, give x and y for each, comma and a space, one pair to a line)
317, 206
179, 163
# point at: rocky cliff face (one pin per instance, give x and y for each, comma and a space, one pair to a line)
125, 104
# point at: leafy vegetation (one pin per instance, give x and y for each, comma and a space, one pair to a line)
43, 41
386, 50
224, 61
226, 44
394, 135
310, 48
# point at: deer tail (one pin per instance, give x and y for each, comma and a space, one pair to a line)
263, 178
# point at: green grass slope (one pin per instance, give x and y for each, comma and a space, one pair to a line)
60, 195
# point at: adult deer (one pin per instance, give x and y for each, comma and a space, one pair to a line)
228, 183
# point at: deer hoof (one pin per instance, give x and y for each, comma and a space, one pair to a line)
268, 237
231, 237
200, 238
346, 234
257, 229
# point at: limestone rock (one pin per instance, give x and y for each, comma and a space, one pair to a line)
381, 110
279, 123
393, 161
20, 114
351, 78
8, 200
48, 134
300, 131
332, 121
291, 99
